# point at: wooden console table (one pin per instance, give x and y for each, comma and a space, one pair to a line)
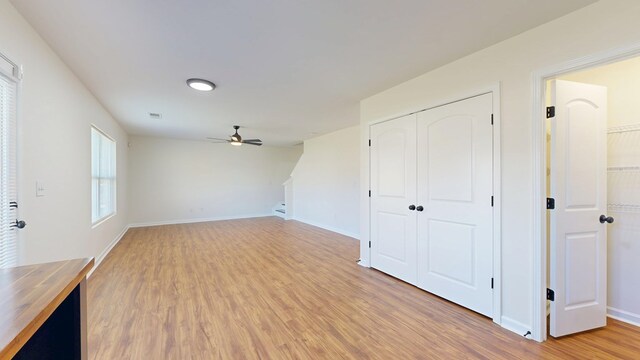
43, 311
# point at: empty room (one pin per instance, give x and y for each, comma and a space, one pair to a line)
366, 179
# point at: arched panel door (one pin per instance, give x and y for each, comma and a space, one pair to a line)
455, 189
393, 189
578, 245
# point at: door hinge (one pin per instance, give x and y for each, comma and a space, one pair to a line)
491, 119
492, 283
551, 295
551, 111
551, 203
369, 142
369, 193
491, 201
369, 244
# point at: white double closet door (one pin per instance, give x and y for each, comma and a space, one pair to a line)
431, 201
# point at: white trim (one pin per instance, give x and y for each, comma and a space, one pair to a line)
539, 225
625, 316
538, 79
197, 220
327, 227
107, 250
515, 326
427, 105
98, 129
97, 222
16, 72
103, 220
22, 237
497, 208
495, 90
365, 199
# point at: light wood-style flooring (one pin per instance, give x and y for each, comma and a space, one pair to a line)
266, 288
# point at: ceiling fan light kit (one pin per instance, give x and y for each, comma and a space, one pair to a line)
236, 137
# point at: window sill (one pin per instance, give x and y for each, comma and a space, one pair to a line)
103, 220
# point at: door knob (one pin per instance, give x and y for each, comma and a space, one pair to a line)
20, 224
606, 219
419, 208
412, 207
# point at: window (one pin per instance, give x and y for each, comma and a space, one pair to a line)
103, 174
8, 167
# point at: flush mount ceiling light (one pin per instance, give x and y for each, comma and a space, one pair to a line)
201, 84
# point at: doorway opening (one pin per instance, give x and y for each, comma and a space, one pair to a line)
592, 186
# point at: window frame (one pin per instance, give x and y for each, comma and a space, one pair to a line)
114, 190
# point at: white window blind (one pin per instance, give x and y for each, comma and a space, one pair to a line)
103, 174
8, 167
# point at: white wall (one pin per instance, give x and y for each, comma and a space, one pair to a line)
326, 182
601, 26
622, 80
55, 115
174, 181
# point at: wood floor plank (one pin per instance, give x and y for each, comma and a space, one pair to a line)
266, 288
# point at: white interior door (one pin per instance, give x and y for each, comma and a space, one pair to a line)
393, 189
578, 184
455, 188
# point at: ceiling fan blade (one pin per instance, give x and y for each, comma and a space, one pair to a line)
252, 143
218, 139
252, 140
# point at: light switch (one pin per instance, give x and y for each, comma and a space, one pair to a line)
39, 188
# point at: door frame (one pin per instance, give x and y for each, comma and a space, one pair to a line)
539, 161
365, 251
17, 74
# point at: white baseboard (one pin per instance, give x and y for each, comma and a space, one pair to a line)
628, 317
197, 220
515, 326
107, 250
330, 228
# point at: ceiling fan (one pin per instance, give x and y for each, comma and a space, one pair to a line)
237, 140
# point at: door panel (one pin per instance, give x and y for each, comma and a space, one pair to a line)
391, 156
450, 151
392, 227
578, 183
455, 185
454, 259
393, 189
582, 263
581, 185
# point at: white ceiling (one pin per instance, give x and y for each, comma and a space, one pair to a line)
286, 70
